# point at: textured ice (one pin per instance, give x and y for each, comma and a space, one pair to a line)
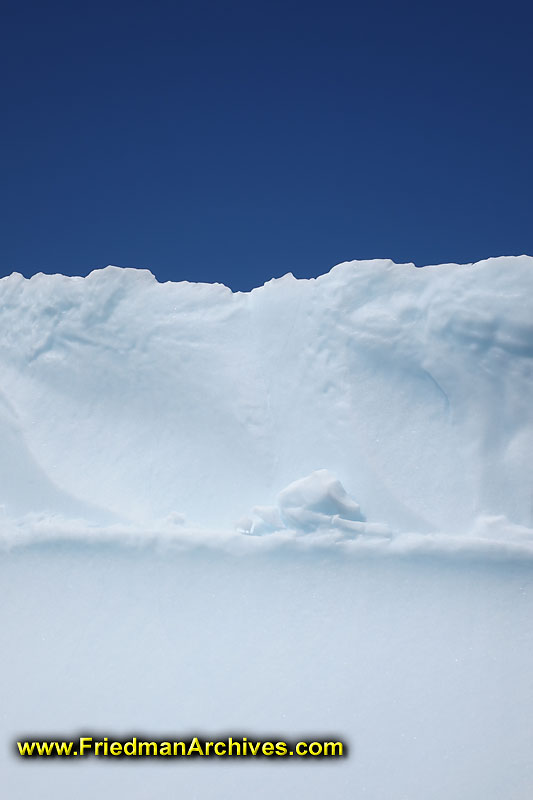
325, 491
317, 502
126, 402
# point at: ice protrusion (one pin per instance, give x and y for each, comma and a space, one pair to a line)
314, 501
317, 502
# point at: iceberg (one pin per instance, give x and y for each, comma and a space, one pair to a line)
299, 513
126, 401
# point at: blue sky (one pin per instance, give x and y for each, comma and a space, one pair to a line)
237, 141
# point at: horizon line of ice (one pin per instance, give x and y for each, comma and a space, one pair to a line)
147, 274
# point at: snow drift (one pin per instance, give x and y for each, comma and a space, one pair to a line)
407, 391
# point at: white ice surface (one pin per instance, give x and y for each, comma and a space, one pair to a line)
305, 510
423, 667
126, 400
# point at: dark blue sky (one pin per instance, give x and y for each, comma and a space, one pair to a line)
237, 141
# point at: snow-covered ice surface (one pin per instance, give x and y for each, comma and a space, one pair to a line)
306, 509
425, 668
124, 400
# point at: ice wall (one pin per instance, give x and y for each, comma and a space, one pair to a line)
125, 399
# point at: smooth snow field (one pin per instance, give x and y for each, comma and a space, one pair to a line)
423, 667
302, 512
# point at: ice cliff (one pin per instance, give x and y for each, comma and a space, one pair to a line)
124, 400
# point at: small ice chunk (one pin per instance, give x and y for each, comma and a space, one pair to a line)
317, 501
